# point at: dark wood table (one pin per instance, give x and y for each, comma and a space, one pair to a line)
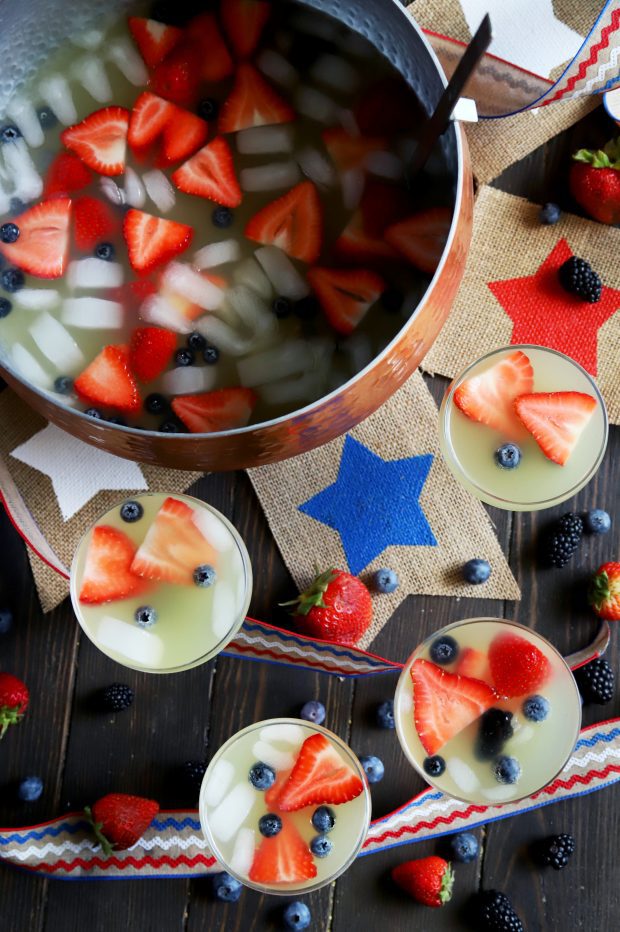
82, 754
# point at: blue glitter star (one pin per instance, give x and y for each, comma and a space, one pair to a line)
374, 504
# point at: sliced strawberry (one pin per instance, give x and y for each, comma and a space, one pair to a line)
345, 294
349, 151
319, 775
244, 21
556, 420
173, 546
43, 242
216, 63
154, 118
151, 241
356, 241
273, 793
473, 663
211, 174
489, 397
517, 666
94, 222
252, 102
294, 223
154, 40
106, 573
65, 175
381, 206
150, 351
178, 77
422, 237
108, 381
283, 858
224, 409
100, 140
445, 703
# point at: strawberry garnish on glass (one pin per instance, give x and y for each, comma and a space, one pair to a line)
14, 698
336, 607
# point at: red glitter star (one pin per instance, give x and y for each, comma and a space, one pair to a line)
545, 314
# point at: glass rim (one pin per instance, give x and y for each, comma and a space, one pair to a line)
224, 641
351, 757
405, 672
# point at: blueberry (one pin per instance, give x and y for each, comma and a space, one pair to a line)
146, 616
508, 456
270, 824
323, 819
6, 620
29, 789
117, 419
47, 119
321, 846
507, 769
105, 251
9, 232
313, 711
131, 511
549, 214
5, 307
476, 571
296, 915
63, 385
434, 766
392, 300
170, 427
184, 357
281, 307
208, 108
95, 413
225, 888
196, 342
536, 708
462, 847
385, 581
494, 730
373, 767
210, 354
444, 650
385, 714
306, 308
12, 280
596, 521
155, 404
261, 776
9, 133
205, 576
222, 217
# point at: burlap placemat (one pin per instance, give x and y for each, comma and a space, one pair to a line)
493, 309
19, 424
385, 481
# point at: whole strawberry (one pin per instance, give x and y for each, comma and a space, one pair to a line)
14, 697
427, 880
595, 182
604, 592
119, 820
336, 607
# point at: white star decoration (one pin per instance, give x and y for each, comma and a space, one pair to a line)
525, 32
77, 470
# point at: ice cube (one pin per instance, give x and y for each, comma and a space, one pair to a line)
159, 189
56, 343
352, 182
316, 167
243, 851
209, 257
184, 280
91, 74
92, 314
157, 310
384, 164
23, 114
347, 120
222, 335
284, 733
187, 380
36, 299
279, 760
133, 189
277, 69
27, 182
287, 359
270, 177
90, 39
124, 55
220, 778
112, 191
301, 388
498, 794
260, 140
94, 273
462, 774
522, 735
282, 274
56, 93
316, 105
227, 818
251, 309
29, 368
251, 274
406, 702
335, 72
212, 529
223, 609
137, 645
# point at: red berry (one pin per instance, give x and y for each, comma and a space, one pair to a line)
336, 607
517, 666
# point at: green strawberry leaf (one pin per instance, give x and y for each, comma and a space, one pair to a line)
607, 157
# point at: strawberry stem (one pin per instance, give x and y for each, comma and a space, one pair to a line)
447, 882
106, 847
9, 715
607, 157
600, 591
313, 595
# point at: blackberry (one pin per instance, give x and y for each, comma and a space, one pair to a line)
562, 540
554, 851
578, 278
493, 912
116, 698
495, 729
192, 772
596, 681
